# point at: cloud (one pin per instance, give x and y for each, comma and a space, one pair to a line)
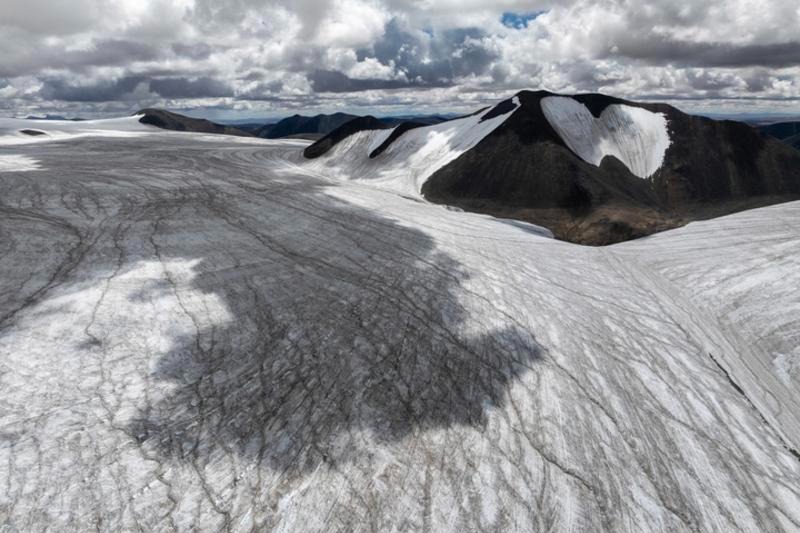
429, 57
59, 89
190, 88
517, 21
193, 51
279, 54
336, 82
710, 54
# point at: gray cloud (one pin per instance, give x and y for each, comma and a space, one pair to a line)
190, 88
106, 91
758, 81
706, 81
336, 82
264, 91
432, 58
193, 51
100, 53
660, 50
59, 89
586, 76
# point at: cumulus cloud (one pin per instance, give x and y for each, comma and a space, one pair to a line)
101, 56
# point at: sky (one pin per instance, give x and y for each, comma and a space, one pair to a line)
231, 59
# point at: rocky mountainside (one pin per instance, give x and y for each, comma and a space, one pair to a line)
592, 168
173, 121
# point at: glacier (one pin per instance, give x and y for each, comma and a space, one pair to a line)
637, 137
12, 130
208, 332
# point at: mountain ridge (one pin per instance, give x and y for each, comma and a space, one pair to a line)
527, 170
168, 120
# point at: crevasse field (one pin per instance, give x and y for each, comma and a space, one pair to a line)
207, 332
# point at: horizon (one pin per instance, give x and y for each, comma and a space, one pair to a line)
232, 118
266, 60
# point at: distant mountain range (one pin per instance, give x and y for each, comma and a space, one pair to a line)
788, 132
296, 126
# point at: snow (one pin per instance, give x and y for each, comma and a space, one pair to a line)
637, 137
59, 130
205, 333
412, 158
737, 270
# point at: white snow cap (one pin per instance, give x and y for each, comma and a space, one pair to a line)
637, 137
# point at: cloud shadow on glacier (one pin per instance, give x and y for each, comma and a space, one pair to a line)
346, 326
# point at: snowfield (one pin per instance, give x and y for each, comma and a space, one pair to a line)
201, 332
637, 137
9, 162
411, 159
12, 129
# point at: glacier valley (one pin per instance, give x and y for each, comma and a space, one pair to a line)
209, 332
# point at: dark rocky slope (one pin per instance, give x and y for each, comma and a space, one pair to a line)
175, 122
322, 146
298, 124
317, 127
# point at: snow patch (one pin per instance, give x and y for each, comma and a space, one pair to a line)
637, 137
412, 158
18, 163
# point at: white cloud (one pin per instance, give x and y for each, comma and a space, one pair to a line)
454, 51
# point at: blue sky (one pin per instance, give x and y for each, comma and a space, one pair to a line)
517, 20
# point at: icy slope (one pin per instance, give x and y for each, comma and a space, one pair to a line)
12, 129
410, 160
9, 162
736, 270
636, 136
200, 333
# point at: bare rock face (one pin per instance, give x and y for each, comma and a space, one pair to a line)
526, 169
167, 120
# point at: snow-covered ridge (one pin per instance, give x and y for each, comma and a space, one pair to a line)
637, 137
411, 159
11, 129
